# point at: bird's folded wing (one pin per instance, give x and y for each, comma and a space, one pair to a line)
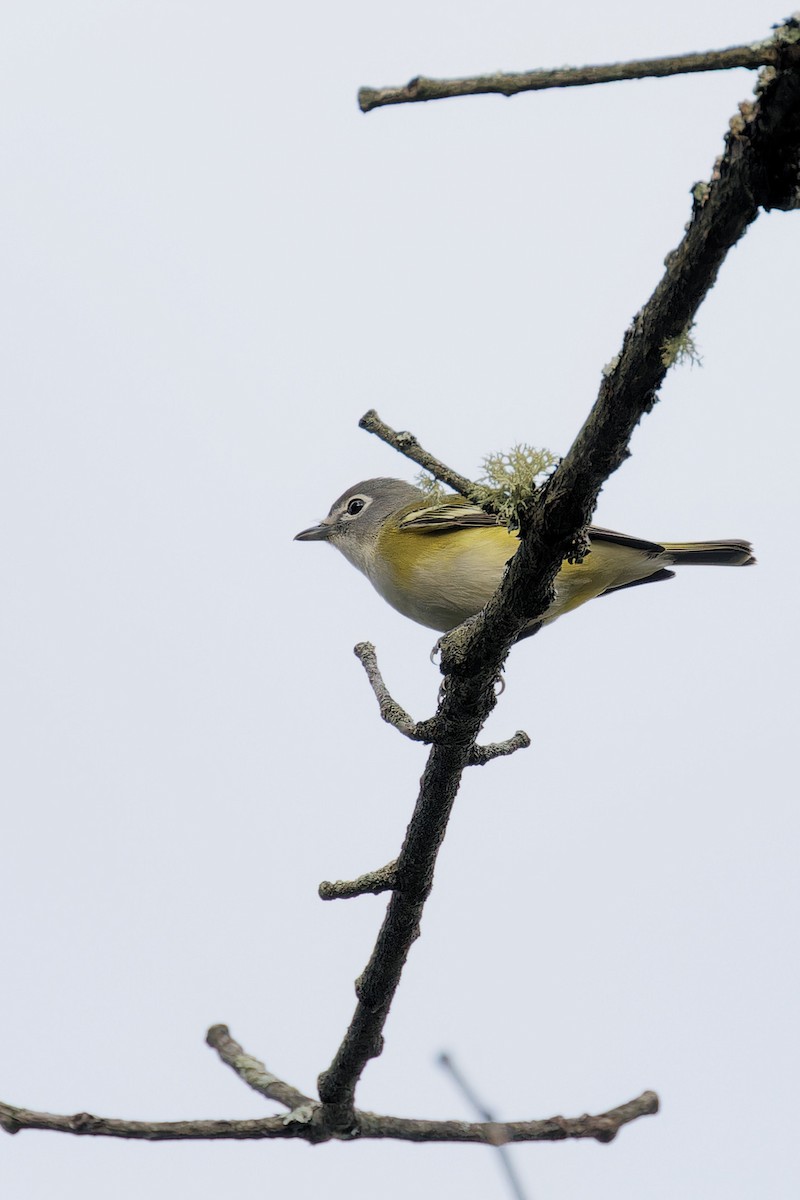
596, 534
447, 516
454, 515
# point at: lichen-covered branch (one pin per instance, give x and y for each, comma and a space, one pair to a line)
771, 53
391, 712
253, 1072
481, 755
408, 445
370, 884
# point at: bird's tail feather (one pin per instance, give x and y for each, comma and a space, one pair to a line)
725, 553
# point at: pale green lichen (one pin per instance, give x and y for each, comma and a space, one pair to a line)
681, 349
700, 193
507, 484
511, 478
434, 489
788, 32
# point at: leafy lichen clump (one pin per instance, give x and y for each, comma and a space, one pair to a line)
511, 478
433, 488
681, 349
508, 482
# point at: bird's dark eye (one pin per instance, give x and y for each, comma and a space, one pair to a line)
355, 506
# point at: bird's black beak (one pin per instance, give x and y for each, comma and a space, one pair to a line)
316, 533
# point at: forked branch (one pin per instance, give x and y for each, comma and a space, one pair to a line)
307, 1120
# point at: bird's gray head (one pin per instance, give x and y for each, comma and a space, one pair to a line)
355, 519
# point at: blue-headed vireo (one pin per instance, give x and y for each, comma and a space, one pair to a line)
438, 562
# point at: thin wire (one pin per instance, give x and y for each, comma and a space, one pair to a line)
514, 1181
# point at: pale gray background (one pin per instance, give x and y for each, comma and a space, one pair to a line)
212, 265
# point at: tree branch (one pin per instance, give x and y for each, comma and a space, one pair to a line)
773, 52
602, 1128
377, 985
252, 1071
481, 755
14, 1119
391, 711
408, 445
759, 168
310, 1126
371, 884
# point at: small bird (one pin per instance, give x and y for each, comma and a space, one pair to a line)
439, 561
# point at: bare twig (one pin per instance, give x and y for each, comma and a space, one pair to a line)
371, 884
14, 1119
514, 1182
602, 1128
252, 1071
391, 711
772, 52
407, 444
308, 1125
481, 755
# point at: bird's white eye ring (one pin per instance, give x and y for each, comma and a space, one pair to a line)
355, 506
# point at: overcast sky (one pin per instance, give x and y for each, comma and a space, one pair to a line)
213, 264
